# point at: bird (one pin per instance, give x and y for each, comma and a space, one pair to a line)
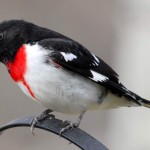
60, 73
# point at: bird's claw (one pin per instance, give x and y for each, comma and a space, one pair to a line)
69, 125
45, 114
33, 123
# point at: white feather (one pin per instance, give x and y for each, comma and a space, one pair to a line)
98, 77
68, 56
97, 60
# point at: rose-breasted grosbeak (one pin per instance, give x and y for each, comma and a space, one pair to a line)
60, 73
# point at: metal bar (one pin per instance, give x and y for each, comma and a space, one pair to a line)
77, 136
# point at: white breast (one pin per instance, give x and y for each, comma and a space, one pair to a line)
55, 88
59, 89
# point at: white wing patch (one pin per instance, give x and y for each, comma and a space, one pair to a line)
97, 60
95, 63
98, 77
68, 56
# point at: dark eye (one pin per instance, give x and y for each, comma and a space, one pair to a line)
1, 35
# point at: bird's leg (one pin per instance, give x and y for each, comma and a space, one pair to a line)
73, 124
45, 114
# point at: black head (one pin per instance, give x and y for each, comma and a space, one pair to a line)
14, 33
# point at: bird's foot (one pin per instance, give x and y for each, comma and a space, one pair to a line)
44, 115
69, 126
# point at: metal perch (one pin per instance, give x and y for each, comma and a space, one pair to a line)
77, 136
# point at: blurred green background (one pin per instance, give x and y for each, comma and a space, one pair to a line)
118, 31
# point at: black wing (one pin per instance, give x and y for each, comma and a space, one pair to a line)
74, 57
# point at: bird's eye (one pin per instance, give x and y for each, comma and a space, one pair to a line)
1, 35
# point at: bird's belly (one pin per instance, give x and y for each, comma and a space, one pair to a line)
61, 90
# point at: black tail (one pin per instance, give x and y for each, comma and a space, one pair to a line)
139, 100
145, 103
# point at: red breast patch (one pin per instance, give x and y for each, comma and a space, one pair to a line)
18, 67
